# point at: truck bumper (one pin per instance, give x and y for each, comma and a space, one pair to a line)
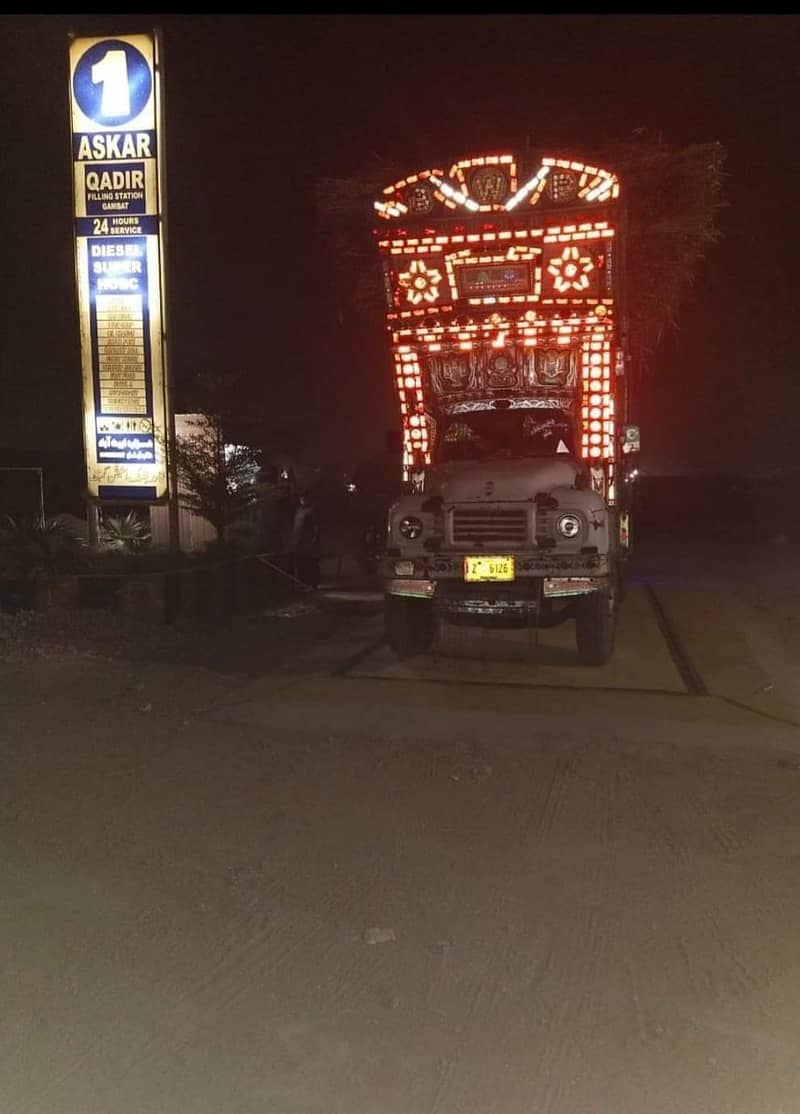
540, 582
528, 567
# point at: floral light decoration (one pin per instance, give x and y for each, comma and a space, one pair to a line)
570, 270
421, 282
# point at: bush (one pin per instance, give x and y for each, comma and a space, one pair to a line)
31, 549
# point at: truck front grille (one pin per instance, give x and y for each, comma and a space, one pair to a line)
490, 526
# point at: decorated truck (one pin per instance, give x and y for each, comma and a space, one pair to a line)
504, 283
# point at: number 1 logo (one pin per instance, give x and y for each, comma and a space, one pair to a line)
112, 73
112, 82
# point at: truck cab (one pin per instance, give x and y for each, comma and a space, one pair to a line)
504, 527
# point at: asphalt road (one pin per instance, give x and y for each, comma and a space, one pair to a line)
484, 882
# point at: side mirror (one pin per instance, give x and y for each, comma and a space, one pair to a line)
631, 439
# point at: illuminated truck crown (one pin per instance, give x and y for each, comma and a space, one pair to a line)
501, 287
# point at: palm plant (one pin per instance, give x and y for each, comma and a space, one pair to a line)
124, 533
33, 548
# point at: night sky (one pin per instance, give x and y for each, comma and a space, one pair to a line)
259, 108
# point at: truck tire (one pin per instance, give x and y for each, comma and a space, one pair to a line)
596, 626
408, 625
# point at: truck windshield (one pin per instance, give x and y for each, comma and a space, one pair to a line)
506, 434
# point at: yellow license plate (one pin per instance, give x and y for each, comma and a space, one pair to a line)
488, 568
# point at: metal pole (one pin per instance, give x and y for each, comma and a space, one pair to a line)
93, 522
166, 339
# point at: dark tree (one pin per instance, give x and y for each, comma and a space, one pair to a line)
215, 479
216, 476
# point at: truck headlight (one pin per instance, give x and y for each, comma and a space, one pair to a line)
410, 527
568, 525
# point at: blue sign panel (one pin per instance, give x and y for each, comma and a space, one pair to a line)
123, 397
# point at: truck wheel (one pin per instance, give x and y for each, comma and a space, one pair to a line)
596, 626
408, 625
